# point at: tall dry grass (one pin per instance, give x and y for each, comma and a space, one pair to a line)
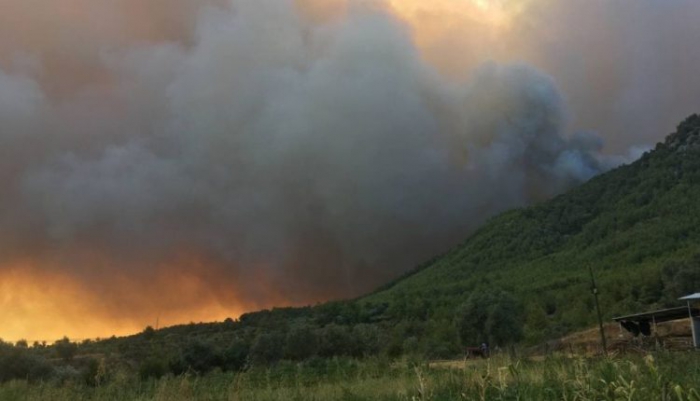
659, 377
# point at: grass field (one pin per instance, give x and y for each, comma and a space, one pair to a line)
661, 376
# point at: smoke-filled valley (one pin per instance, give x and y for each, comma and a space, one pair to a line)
192, 162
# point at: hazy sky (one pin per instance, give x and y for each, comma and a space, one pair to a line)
181, 160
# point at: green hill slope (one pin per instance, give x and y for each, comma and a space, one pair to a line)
638, 227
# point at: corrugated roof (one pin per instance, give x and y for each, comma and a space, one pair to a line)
660, 316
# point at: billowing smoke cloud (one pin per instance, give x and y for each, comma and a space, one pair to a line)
260, 152
626, 67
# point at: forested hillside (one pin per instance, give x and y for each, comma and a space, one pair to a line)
637, 227
523, 277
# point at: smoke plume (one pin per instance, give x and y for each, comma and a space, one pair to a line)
198, 161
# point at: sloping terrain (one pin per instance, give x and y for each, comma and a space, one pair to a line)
637, 227
524, 276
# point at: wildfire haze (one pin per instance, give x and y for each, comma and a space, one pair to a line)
181, 161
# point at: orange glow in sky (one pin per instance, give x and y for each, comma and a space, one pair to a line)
457, 35
36, 304
40, 306
497, 14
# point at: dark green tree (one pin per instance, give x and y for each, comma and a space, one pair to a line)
302, 343
267, 349
148, 333
66, 349
197, 356
492, 316
367, 339
335, 340
235, 357
153, 368
20, 364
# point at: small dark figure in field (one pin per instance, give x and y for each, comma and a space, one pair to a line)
485, 350
476, 352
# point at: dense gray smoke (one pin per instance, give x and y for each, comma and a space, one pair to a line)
628, 68
274, 156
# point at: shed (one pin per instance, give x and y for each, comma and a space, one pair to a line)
691, 297
642, 323
694, 320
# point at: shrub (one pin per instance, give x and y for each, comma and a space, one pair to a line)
235, 357
335, 340
19, 363
267, 349
197, 356
153, 368
490, 316
66, 349
302, 343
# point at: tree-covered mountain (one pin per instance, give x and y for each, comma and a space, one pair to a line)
637, 227
523, 277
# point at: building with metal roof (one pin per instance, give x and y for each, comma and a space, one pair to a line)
643, 323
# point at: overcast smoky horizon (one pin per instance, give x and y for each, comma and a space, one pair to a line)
167, 156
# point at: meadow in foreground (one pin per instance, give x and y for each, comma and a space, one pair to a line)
661, 376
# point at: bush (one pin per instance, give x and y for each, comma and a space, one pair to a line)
335, 340
267, 349
19, 363
235, 357
90, 371
491, 316
367, 340
153, 368
302, 343
66, 349
197, 356
148, 333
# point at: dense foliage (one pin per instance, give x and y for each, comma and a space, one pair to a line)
658, 377
637, 228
